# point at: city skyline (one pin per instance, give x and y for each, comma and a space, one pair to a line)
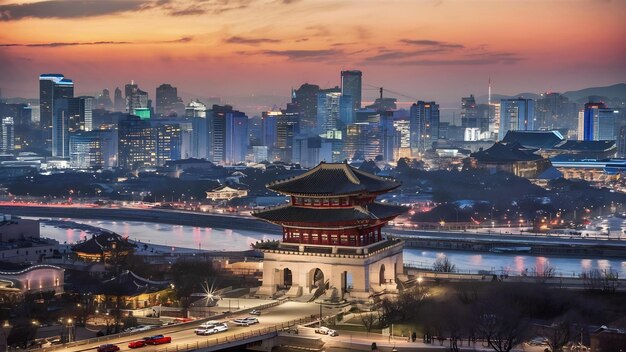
248, 48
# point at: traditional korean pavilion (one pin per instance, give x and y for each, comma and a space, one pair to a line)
332, 235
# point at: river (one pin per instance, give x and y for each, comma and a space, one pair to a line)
232, 240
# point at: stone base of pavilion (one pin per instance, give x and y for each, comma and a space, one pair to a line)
350, 273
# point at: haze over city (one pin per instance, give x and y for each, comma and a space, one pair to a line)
423, 49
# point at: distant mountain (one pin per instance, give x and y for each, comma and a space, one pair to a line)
614, 92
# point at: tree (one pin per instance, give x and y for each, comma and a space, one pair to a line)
368, 319
502, 331
558, 334
443, 264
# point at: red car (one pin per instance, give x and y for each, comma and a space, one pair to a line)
158, 340
108, 348
137, 344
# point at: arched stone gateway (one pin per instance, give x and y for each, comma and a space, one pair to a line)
317, 278
287, 278
332, 235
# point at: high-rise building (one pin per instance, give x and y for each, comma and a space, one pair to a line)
364, 140
86, 150
268, 128
103, 101
305, 98
554, 110
8, 136
119, 104
70, 115
136, 143
402, 141
516, 114
598, 122
351, 85
21, 113
52, 86
167, 101
229, 135
474, 115
334, 110
168, 143
135, 98
259, 153
424, 125
200, 124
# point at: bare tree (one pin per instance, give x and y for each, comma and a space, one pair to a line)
606, 280
558, 334
368, 319
502, 326
444, 265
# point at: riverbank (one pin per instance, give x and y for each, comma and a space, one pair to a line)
461, 241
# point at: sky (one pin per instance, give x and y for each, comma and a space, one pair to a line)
430, 50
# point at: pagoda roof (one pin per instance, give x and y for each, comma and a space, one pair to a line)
505, 153
130, 284
298, 214
98, 244
333, 179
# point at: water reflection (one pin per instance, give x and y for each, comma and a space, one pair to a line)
220, 239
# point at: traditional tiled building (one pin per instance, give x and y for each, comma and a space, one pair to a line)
332, 235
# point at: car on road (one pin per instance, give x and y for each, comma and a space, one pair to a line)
137, 344
246, 321
157, 340
255, 312
326, 331
109, 347
214, 329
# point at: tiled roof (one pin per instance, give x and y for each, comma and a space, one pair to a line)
333, 179
100, 243
131, 284
290, 213
534, 139
506, 152
587, 146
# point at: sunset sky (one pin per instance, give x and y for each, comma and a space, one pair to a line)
440, 49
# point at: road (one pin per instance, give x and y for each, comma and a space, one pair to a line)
184, 337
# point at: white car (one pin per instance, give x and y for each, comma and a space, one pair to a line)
214, 329
326, 331
246, 321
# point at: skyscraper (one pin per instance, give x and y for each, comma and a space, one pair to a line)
229, 135
118, 101
135, 98
471, 116
70, 115
598, 122
168, 142
424, 125
167, 101
516, 114
52, 86
136, 143
85, 150
305, 98
104, 100
8, 136
197, 112
351, 85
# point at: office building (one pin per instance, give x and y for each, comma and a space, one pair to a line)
516, 114
554, 110
70, 115
310, 151
598, 122
200, 124
402, 139
229, 135
86, 150
21, 113
351, 85
424, 125
103, 101
167, 101
135, 98
364, 141
119, 104
260, 153
168, 143
136, 143
8, 136
52, 86
334, 111
305, 99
